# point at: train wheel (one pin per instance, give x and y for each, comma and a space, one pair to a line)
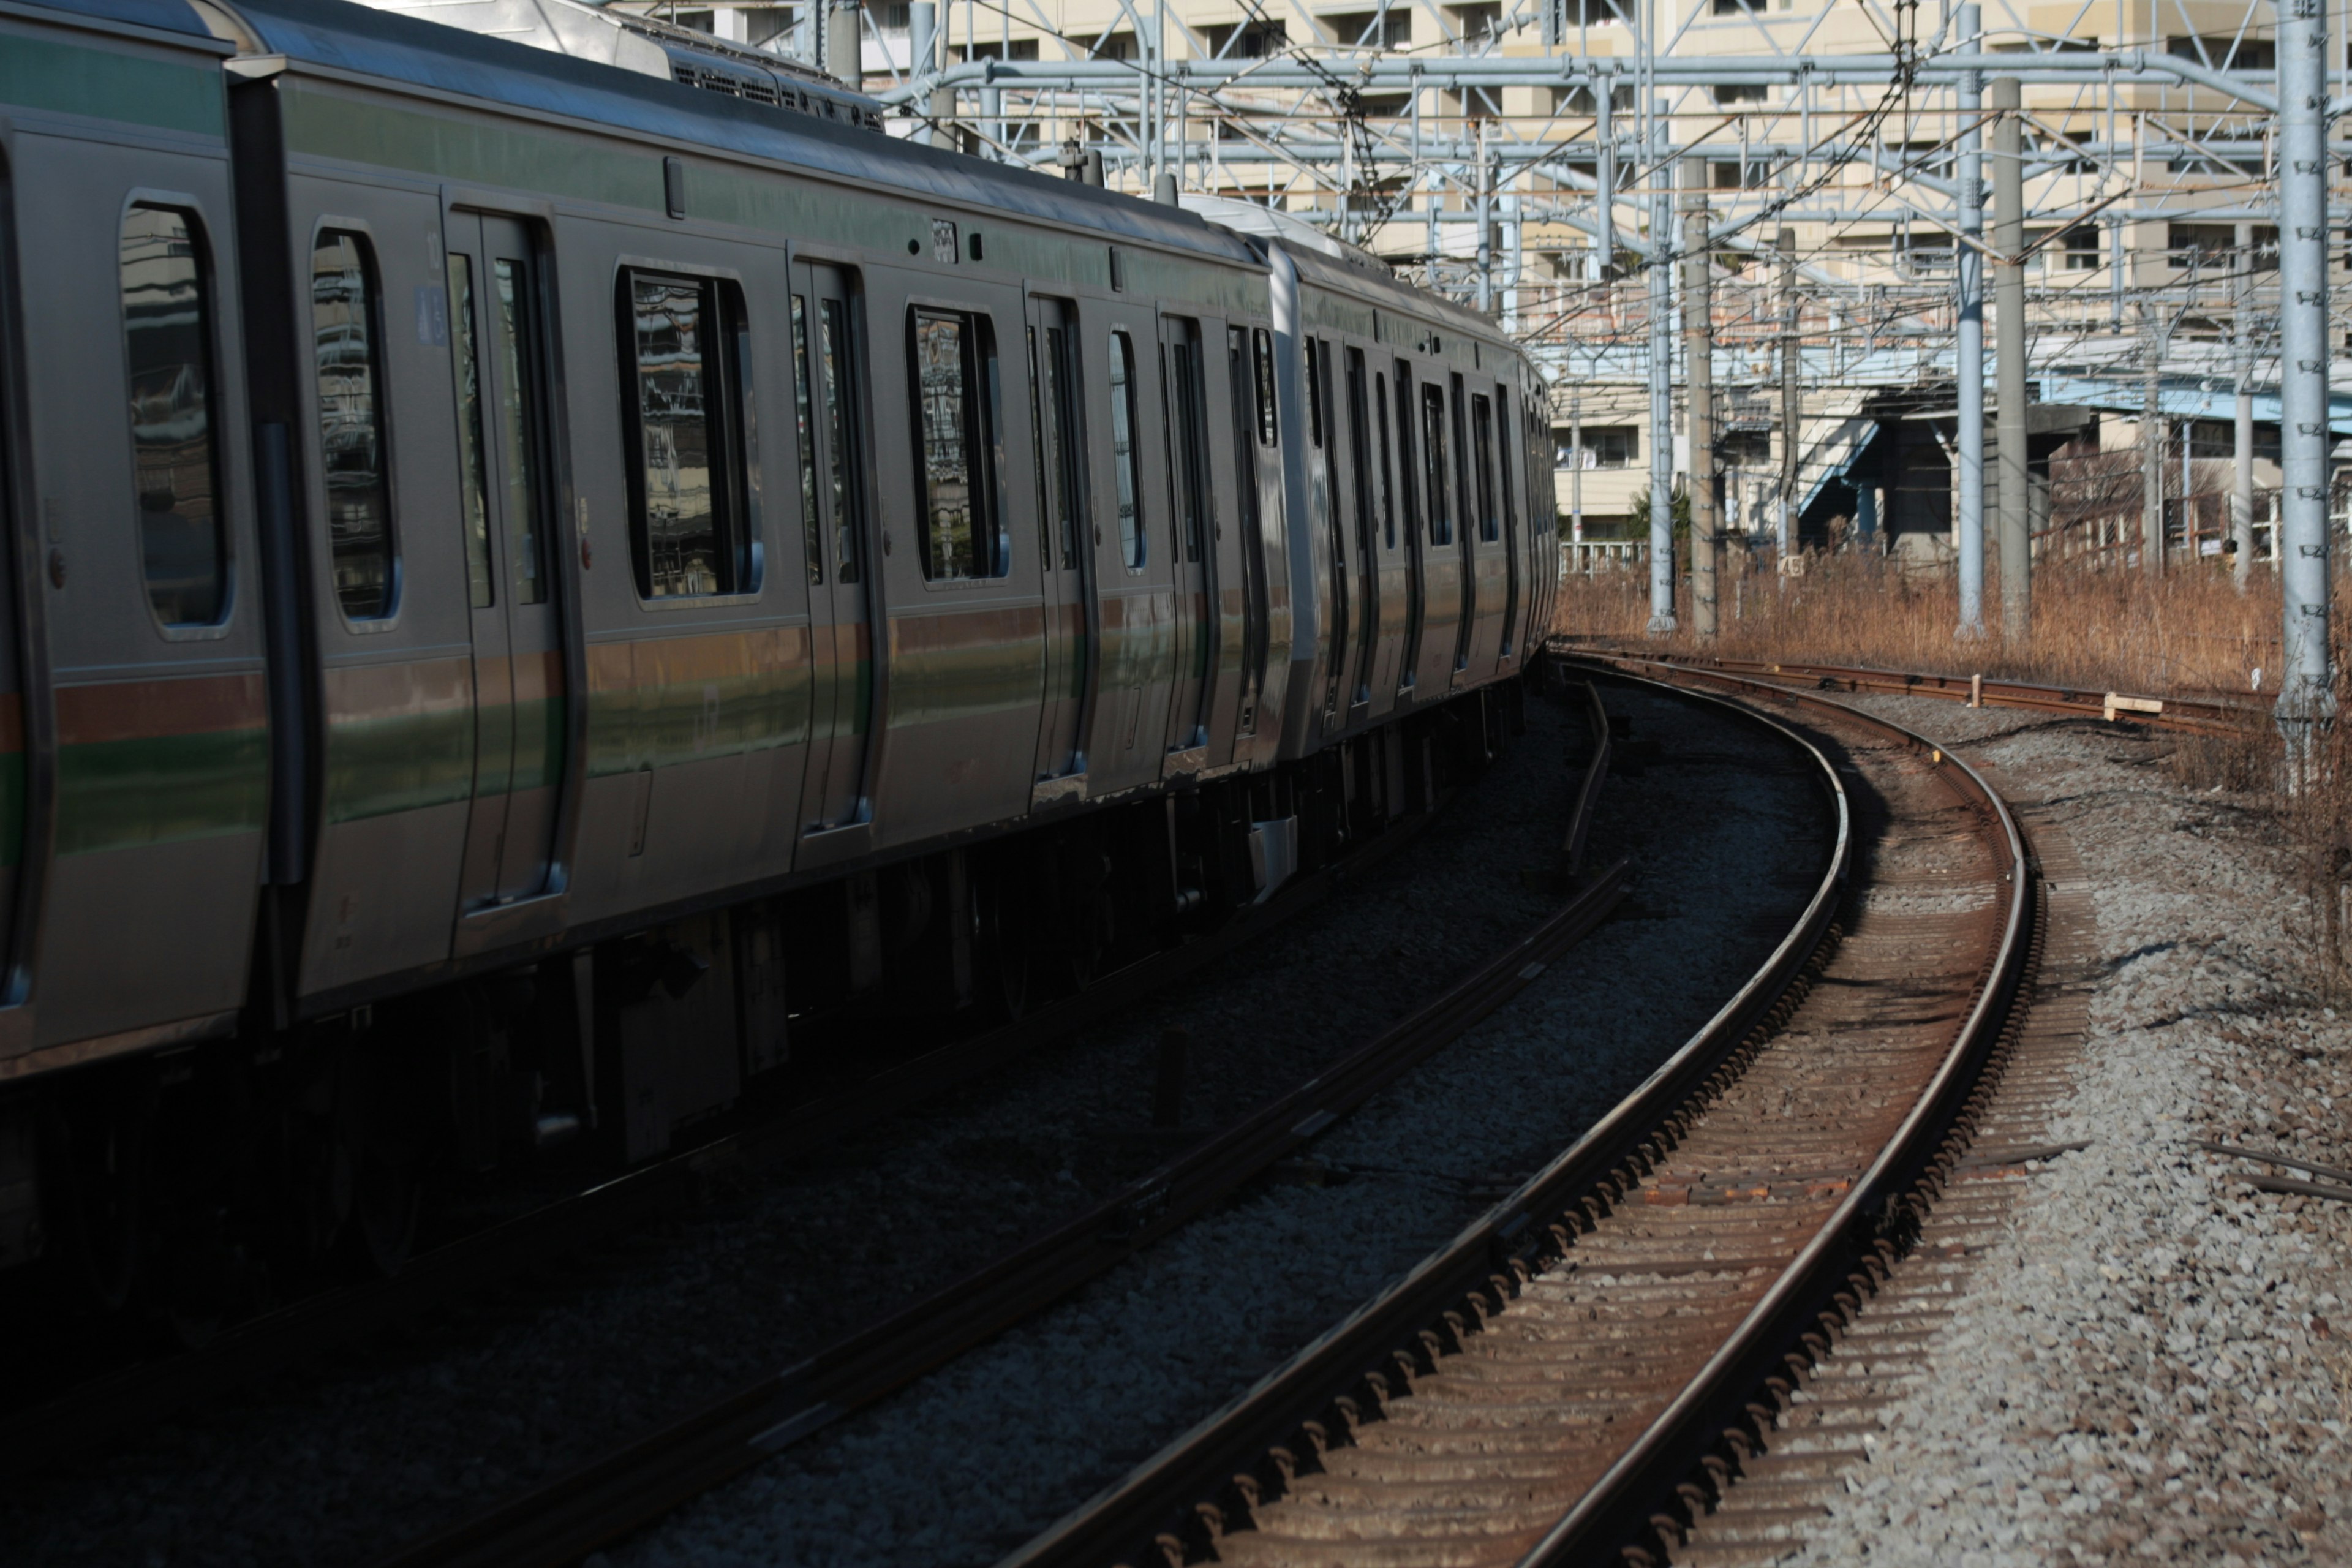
106, 1169
385, 1198
1001, 940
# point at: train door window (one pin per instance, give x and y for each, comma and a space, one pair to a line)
1268, 427
521, 435
1131, 541
840, 452
1320, 398
345, 334
1433, 456
956, 513
1482, 430
1360, 456
481, 590
812, 525
1181, 389
1053, 410
1387, 488
1314, 394
690, 532
168, 336
1510, 506
1408, 482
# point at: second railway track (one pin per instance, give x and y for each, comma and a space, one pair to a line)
1599, 1359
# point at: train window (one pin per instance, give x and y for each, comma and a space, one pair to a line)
1387, 489
1321, 411
1131, 541
841, 464
1267, 429
1053, 411
812, 525
168, 330
520, 445
1314, 394
1407, 481
480, 585
1183, 394
1360, 464
686, 478
1510, 508
345, 336
1482, 430
1433, 458
956, 513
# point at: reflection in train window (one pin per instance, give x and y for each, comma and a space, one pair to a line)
1481, 460
345, 336
687, 536
1432, 453
481, 590
841, 458
1054, 411
1267, 426
957, 511
1314, 394
1131, 541
519, 432
167, 329
812, 525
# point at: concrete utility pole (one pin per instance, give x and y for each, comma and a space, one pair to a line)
2241, 446
923, 32
2307, 698
1698, 378
2151, 442
2016, 527
1604, 131
1970, 357
1662, 366
1485, 218
1793, 403
1576, 469
844, 44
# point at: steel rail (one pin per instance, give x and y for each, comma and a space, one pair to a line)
113, 1403
2203, 715
1621, 1509
636, 1483
1468, 1278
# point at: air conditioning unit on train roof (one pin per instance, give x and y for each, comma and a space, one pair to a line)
650, 47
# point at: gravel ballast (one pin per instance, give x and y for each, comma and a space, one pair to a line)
2147, 1364
1725, 829
984, 1454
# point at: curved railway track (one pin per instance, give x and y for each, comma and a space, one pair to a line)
1595, 1363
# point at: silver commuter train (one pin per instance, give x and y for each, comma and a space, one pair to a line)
527, 576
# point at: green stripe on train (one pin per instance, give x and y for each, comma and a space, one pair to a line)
120, 795
36, 73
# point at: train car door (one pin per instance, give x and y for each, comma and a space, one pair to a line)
827, 360
499, 332
1183, 394
1469, 524
1249, 384
1418, 551
1072, 633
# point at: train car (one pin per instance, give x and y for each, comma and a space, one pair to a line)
540, 589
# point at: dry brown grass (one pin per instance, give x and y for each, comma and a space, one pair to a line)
2192, 633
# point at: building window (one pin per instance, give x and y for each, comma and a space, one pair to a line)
1246, 41
168, 335
689, 534
954, 374
345, 335
1744, 448
1605, 447
1738, 92
2081, 246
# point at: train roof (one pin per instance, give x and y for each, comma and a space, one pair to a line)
393, 47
